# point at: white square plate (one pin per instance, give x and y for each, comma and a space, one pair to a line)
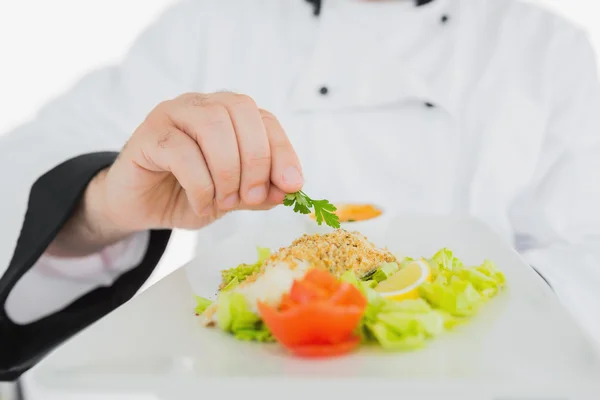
522, 346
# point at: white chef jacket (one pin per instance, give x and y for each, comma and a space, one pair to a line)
483, 107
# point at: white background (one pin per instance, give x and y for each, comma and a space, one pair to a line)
46, 45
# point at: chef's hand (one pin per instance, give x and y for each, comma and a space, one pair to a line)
192, 160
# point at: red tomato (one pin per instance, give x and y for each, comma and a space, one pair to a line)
286, 302
313, 323
304, 292
348, 294
326, 350
323, 279
318, 317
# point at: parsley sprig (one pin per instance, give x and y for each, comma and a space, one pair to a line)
324, 210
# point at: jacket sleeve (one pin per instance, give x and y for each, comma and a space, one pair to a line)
52, 200
93, 119
560, 214
56, 281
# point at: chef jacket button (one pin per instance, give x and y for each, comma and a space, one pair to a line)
445, 18
429, 105
324, 90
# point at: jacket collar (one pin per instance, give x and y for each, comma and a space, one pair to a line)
317, 4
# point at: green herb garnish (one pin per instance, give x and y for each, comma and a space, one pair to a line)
324, 210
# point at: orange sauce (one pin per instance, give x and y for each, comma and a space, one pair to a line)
356, 212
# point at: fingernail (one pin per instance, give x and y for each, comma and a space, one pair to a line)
231, 201
292, 176
257, 194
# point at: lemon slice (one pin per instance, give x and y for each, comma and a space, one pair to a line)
405, 283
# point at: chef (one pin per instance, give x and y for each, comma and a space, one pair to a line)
483, 108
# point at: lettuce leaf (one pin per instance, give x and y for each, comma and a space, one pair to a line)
489, 269
458, 290
243, 271
450, 321
444, 262
459, 297
234, 316
417, 306
259, 334
202, 304
231, 285
396, 325
365, 287
390, 340
384, 271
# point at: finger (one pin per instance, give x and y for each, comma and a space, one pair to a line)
175, 152
286, 171
209, 124
253, 145
274, 198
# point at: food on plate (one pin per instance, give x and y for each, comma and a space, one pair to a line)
326, 294
402, 284
318, 317
232, 277
272, 276
356, 212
